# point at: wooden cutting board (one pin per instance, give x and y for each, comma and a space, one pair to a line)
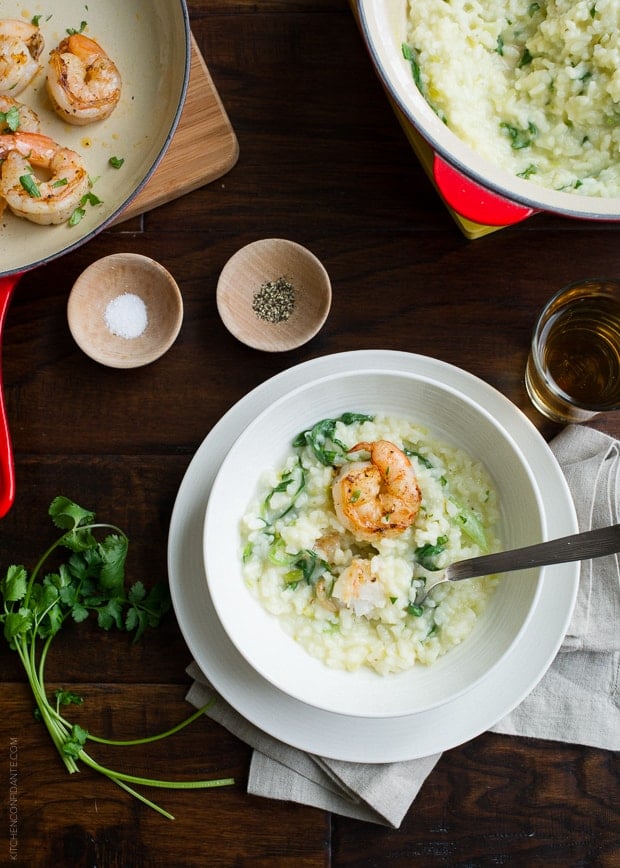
203, 148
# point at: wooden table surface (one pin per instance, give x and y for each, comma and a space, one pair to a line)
323, 162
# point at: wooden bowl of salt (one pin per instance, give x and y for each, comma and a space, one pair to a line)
273, 295
125, 310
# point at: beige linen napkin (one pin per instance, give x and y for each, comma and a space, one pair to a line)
577, 700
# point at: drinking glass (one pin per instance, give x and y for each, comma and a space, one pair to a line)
573, 369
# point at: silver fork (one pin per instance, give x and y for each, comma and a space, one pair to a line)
577, 547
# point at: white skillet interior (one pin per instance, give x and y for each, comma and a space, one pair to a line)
149, 42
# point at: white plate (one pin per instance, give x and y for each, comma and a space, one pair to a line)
451, 418
338, 736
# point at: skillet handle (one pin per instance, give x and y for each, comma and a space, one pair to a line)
7, 467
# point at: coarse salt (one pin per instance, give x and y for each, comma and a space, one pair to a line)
126, 315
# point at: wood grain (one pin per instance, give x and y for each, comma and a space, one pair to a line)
204, 146
322, 161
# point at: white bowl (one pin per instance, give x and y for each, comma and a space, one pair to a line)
258, 636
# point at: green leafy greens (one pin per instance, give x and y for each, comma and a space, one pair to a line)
10, 119
328, 449
425, 555
91, 580
80, 212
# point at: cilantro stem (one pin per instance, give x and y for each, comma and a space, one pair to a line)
35, 607
140, 797
57, 729
123, 780
153, 782
151, 738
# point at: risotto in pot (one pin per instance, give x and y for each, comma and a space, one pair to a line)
341, 540
532, 86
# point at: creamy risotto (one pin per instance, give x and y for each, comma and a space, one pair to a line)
346, 589
532, 86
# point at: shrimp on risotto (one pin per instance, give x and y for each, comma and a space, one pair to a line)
21, 44
377, 498
358, 589
83, 83
42, 201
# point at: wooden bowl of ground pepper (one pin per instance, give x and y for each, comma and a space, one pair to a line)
273, 295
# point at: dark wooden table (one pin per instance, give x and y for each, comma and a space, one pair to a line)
324, 162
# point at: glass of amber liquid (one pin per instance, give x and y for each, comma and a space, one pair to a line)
573, 370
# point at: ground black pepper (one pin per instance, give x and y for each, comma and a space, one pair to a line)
275, 300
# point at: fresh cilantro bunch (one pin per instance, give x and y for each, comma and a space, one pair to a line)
91, 580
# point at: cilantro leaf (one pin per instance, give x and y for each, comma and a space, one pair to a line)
79, 613
137, 593
17, 624
68, 515
113, 553
14, 584
73, 746
67, 697
35, 607
110, 615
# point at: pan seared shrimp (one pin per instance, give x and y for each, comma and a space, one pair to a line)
21, 44
17, 116
83, 83
42, 201
356, 588
377, 498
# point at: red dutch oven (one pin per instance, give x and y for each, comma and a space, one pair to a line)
474, 187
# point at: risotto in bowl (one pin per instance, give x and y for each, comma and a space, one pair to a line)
332, 515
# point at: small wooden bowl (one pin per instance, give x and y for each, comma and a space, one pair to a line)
121, 278
250, 275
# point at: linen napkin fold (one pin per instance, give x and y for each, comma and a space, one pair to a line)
578, 699
377, 793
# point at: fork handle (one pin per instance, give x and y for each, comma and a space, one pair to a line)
577, 547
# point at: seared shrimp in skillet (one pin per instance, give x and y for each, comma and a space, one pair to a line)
83, 83
377, 498
21, 44
42, 201
16, 116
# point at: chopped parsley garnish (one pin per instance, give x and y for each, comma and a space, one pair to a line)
520, 138
29, 184
10, 119
73, 32
425, 555
80, 211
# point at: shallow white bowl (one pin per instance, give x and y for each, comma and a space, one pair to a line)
257, 635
